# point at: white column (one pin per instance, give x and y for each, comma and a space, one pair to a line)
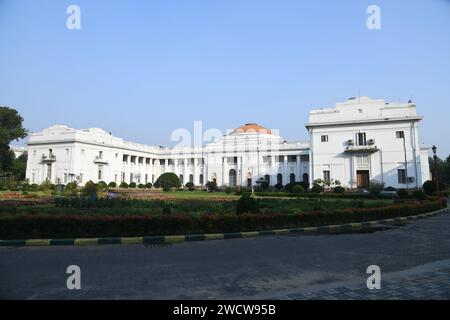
298, 176
285, 170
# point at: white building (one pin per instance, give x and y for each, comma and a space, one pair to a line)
359, 140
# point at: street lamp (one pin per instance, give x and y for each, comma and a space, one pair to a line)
436, 171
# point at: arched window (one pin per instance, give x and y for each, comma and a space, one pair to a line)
305, 177
292, 178
232, 178
200, 178
279, 178
181, 179
191, 178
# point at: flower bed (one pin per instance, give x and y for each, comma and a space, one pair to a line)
68, 226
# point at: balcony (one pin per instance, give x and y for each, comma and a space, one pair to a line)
48, 158
366, 147
100, 160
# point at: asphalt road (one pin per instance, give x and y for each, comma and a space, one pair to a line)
223, 269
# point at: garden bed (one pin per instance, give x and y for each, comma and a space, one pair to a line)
47, 225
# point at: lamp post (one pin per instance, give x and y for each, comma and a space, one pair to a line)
436, 171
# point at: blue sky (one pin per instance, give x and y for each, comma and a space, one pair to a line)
141, 69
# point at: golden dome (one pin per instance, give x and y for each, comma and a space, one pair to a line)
252, 128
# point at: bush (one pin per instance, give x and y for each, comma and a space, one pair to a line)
211, 186
167, 181
317, 188
305, 185
419, 195
71, 186
141, 186
102, 185
34, 187
124, 185
112, 185
190, 186
90, 188
228, 190
132, 185
429, 187
339, 189
298, 189
74, 226
148, 185
247, 204
402, 193
375, 187
278, 186
167, 208
264, 185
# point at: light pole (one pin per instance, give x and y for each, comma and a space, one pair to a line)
436, 171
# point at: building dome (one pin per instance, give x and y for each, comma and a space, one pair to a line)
252, 128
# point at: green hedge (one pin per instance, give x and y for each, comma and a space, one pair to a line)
324, 195
75, 226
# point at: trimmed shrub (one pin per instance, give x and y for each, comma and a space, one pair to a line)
141, 186
148, 185
124, 185
73, 226
132, 185
402, 193
264, 185
278, 186
339, 189
429, 187
375, 187
297, 189
305, 185
90, 188
419, 195
102, 185
167, 181
228, 190
317, 188
190, 186
211, 186
112, 184
247, 204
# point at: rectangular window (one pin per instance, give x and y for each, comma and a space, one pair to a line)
326, 176
401, 176
362, 160
65, 177
100, 154
292, 159
400, 134
100, 173
304, 158
67, 151
324, 138
361, 139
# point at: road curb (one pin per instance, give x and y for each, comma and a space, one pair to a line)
171, 239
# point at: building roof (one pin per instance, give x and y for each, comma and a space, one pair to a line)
252, 128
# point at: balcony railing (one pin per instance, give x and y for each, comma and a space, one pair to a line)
48, 158
100, 160
366, 147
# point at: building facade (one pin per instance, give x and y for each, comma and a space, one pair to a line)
359, 140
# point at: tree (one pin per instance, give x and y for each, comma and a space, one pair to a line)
19, 167
168, 180
10, 129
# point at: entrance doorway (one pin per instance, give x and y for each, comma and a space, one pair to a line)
362, 178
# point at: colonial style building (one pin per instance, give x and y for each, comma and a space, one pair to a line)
359, 140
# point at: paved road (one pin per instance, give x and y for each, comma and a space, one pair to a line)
285, 267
